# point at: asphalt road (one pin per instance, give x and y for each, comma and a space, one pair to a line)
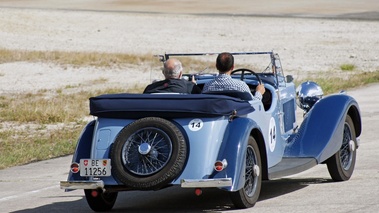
35, 187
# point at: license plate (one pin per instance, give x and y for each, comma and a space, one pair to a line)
95, 167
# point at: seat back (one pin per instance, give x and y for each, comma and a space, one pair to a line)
233, 93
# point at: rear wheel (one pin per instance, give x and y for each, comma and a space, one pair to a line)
249, 194
100, 201
341, 165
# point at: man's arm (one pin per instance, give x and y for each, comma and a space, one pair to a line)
259, 91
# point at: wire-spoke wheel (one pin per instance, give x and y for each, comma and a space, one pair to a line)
341, 165
146, 151
249, 194
149, 153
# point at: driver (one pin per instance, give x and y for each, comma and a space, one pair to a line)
224, 82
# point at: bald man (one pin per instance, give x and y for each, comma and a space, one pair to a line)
172, 71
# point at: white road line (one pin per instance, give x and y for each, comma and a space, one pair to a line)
26, 193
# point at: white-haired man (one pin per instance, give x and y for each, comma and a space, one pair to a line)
172, 71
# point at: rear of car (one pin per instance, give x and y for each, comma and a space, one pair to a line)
149, 142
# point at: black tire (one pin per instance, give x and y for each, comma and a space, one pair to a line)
148, 154
104, 201
249, 194
341, 164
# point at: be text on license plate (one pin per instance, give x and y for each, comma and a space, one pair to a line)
95, 167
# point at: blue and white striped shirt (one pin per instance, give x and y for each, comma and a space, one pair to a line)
224, 82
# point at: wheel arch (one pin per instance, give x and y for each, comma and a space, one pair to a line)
354, 113
83, 148
234, 150
257, 135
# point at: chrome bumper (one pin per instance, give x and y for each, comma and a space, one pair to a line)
185, 183
82, 184
204, 183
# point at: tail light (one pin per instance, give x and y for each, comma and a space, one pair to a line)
74, 167
220, 165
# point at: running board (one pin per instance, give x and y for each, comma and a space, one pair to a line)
290, 166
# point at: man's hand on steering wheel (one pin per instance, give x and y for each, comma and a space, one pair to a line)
260, 88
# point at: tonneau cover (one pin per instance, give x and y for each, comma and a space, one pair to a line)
166, 105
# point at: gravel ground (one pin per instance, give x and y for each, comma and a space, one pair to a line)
306, 45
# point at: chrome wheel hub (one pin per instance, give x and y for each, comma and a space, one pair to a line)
144, 148
351, 146
256, 171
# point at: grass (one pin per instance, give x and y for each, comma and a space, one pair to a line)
47, 124
42, 125
335, 84
347, 67
76, 59
25, 146
26, 108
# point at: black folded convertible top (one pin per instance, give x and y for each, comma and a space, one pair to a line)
166, 105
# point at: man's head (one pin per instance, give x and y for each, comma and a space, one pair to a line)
172, 68
224, 62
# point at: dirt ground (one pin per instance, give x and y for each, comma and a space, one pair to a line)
310, 36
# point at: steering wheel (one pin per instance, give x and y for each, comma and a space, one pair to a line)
267, 96
243, 71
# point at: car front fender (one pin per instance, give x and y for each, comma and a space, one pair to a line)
320, 134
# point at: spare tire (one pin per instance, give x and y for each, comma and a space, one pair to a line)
148, 153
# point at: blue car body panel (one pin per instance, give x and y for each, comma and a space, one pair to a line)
234, 151
83, 148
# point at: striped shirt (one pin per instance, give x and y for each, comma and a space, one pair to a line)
224, 82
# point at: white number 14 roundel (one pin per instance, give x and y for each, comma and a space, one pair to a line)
195, 124
272, 135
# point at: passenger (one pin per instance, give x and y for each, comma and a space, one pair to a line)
172, 71
224, 82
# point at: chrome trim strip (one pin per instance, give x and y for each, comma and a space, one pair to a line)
203, 183
82, 184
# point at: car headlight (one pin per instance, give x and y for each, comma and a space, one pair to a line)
307, 94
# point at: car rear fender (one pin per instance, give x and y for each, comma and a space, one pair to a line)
233, 150
320, 134
83, 148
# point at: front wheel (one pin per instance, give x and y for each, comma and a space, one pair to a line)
249, 194
341, 165
100, 201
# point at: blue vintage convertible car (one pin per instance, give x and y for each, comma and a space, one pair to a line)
224, 140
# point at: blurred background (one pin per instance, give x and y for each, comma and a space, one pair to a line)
362, 9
